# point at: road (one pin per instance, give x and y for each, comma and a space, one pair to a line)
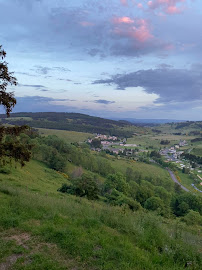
176, 181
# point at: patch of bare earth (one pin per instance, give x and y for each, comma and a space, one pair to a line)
20, 239
11, 260
34, 245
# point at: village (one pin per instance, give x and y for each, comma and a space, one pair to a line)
114, 145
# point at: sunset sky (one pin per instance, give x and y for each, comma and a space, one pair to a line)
109, 58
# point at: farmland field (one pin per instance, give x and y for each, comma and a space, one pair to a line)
67, 136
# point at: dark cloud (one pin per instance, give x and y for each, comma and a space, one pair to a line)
43, 90
41, 104
103, 101
61, 69
172, 85
45, 70
66, 80
33, 85
164, 66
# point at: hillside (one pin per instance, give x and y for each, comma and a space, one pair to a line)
41, 228
71, 122
74, 206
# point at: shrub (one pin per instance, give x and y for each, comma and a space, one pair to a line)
192, 218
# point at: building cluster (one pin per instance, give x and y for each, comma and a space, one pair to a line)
106, 137
173, 153
113, 144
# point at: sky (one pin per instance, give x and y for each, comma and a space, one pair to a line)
108, 58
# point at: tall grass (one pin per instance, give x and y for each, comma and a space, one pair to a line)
97, 235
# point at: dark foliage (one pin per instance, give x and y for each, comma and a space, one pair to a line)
73, 122
6, 98
10, 146
85, 186
193, 158
165, 142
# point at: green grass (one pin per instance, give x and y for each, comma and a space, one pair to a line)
146, 170
67, 136
152, 140
197, 150
44, 229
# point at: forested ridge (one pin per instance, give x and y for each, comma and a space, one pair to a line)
72, 122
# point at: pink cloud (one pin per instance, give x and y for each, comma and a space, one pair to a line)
139, 31
139, 5
126, 20
86, 23
168, 6
173, 10
124, 2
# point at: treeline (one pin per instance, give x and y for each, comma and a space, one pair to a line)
72, 122
193, 158
196, 140
193, 124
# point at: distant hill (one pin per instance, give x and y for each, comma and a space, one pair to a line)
151, 121
72, 122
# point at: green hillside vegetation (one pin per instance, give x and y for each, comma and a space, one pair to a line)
73, 208
72, 122
41, 228
131, 183
67, 136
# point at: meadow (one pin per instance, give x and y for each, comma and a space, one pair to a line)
43, 229
67, 136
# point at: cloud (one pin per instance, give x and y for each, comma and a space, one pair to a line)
86, 23
66, 80
103, 101
45, 70
41, 104
120, 20
167, 6
89, 28
171, 85
124, 2
33, 85
140, 31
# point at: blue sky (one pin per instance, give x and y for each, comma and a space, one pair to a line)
117, 58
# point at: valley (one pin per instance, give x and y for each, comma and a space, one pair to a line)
87, 200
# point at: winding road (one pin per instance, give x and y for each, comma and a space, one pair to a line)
176, 181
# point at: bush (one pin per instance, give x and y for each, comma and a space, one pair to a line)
153, 203
192, 218
85, 186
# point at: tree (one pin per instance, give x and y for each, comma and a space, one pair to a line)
84, 186
10, 146
96, 143
153, 203
116, 181
6, 99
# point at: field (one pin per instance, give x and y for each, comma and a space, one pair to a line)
197, 150
67, 136
153, 141
145, 169
43, 229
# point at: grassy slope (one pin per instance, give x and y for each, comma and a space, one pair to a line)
42, 229
143, 168
67, 136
